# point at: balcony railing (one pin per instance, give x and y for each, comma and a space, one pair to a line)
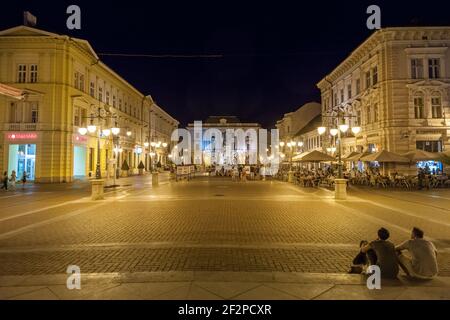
20, 126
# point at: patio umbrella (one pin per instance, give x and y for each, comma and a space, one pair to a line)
316, 156
357, 156
385, 156
421, 155
351, 154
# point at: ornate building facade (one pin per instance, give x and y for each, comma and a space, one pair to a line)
64, 83
396, 86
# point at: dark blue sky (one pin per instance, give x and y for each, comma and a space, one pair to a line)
274, 52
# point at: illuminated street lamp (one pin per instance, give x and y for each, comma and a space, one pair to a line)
338, 120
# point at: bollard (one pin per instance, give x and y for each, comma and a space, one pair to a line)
155, 178
340, 189
97, 186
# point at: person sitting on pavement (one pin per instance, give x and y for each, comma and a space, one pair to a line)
423, 262
360, 262
381, 252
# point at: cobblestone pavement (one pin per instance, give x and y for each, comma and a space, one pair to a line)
208, 224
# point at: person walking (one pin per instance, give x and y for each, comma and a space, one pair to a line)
423, 261
5, 181
13, 180
24, 179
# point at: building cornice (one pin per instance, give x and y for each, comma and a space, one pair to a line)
433, 35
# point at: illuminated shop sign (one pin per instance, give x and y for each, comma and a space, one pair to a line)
13, 136
77, 138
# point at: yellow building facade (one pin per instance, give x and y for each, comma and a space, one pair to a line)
65, 83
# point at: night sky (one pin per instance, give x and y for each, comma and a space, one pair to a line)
272, 54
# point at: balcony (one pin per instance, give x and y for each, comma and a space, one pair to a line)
20, 127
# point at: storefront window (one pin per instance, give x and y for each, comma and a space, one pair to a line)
430, 146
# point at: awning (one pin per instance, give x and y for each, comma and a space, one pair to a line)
357, 157
421, 155
385, 156
351, 154
316, 156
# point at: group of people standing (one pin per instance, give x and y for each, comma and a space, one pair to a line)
420, 263
12, 180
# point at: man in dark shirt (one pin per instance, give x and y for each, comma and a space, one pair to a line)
383, 254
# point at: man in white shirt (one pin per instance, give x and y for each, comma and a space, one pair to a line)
423, 261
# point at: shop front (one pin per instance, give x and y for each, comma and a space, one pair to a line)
21, 148
80, 156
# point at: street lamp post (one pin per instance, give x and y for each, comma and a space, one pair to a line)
100, 115
342, 127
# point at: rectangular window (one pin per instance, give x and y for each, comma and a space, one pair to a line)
335, 99
418, 108
433, 68
436, 107
369, 115
33, 73
349, 91
358, 86
92, 89
76, 79
375, 112
76, 116
107, 97
358, 117
416, 68
367, 79
114, 101
342, 95
22, 73
100, 94
81, 83
14, 116
430, 146
374, 76
120, 104
34, 112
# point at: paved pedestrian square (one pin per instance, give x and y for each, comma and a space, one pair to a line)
208, 225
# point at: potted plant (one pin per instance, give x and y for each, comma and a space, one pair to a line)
125, 168
141, 168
